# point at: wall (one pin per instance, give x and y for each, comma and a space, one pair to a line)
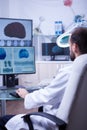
4, 8
51, 10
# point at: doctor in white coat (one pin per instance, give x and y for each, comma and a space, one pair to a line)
48, 97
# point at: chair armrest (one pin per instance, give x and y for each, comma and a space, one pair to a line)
53, 118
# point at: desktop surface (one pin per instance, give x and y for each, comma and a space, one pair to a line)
6, 93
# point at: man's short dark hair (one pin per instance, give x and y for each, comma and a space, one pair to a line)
79, 36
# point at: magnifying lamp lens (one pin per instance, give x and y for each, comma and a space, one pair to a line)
64, 40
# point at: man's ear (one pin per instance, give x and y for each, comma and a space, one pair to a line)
75, 48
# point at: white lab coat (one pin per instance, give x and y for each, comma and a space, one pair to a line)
49, 97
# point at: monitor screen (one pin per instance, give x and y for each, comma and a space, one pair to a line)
15, 32
53, 50
17, 60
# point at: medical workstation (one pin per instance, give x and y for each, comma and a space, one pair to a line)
34, 45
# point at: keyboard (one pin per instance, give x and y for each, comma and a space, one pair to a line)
14, 94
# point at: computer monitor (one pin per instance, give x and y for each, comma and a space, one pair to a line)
16, 60
15, 32
53, 50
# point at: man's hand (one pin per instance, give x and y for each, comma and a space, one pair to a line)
22, 92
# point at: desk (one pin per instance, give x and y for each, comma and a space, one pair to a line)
4, 95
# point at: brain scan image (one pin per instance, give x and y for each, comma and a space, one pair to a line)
23, 53
2, 54
15, 29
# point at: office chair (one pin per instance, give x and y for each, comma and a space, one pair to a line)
77, 117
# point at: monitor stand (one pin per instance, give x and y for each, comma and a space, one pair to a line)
9, 80
52, 58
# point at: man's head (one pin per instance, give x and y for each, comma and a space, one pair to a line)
78, 42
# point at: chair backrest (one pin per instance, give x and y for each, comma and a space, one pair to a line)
72, 86
78, 111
